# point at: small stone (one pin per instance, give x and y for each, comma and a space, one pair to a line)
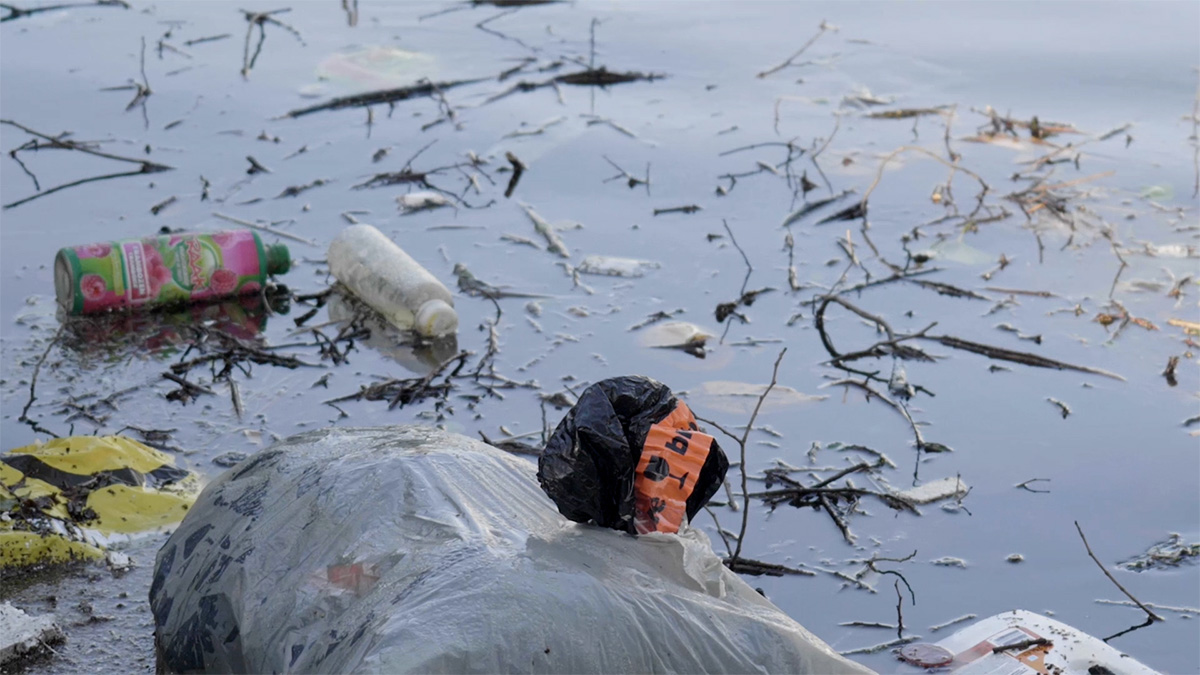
1015, 558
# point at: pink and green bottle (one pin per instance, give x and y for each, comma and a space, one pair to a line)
169, 269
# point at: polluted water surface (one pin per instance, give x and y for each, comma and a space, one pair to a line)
679, 191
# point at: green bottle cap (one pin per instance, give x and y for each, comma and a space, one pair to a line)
279, 261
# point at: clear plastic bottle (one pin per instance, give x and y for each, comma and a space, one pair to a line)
382, 275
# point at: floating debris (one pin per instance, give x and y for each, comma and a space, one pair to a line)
1171, 552
1015, 558
423, 200
741, 397
935, 491
615, 267
677, 335
544, 228
949, 561
882, 646
1062, 407
951, 622
691, 208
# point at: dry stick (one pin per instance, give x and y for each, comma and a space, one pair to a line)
899, 612
1147, 610
422, 88
1024, 358
820, 31
742, 444
210, 38
425, 381
518, 168
264, 228
838, 520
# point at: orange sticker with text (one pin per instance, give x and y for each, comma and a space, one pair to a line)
667, 472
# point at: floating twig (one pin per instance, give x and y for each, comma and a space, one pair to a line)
518, 168
690, 208
820, 31
1025, 485
951, 622
759, 568
1024, 358
881, 646
421, 89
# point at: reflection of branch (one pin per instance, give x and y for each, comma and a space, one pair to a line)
37, 368
72, 184
1129, 630
260, 19
1150, 613
15, 12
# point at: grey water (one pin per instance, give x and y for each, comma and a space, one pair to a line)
1123, 464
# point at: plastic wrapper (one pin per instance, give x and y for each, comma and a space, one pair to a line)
69, 498
629, 456
408, 549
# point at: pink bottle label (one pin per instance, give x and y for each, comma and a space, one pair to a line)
168, 269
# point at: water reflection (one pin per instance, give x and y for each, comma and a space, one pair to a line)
117, 335
417, 354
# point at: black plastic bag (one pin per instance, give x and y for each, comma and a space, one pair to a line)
629, 456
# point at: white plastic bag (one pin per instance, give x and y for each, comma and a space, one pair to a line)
408, 549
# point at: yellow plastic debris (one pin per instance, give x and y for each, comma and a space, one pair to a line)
61, 500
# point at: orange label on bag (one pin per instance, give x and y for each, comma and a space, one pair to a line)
672, 456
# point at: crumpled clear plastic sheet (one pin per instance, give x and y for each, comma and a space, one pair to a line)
409, 549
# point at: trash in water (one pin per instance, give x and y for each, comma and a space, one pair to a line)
603, 265
382, 275
23, 636
676, 335
935, 491
741, 397
1171, 552
373, 67
164, 270
423, 200
344, 550
68, 498
629, 456
1020, 642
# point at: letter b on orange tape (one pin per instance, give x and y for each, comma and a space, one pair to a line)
672, 456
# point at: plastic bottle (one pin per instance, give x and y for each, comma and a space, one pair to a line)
382, 275
169, 269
